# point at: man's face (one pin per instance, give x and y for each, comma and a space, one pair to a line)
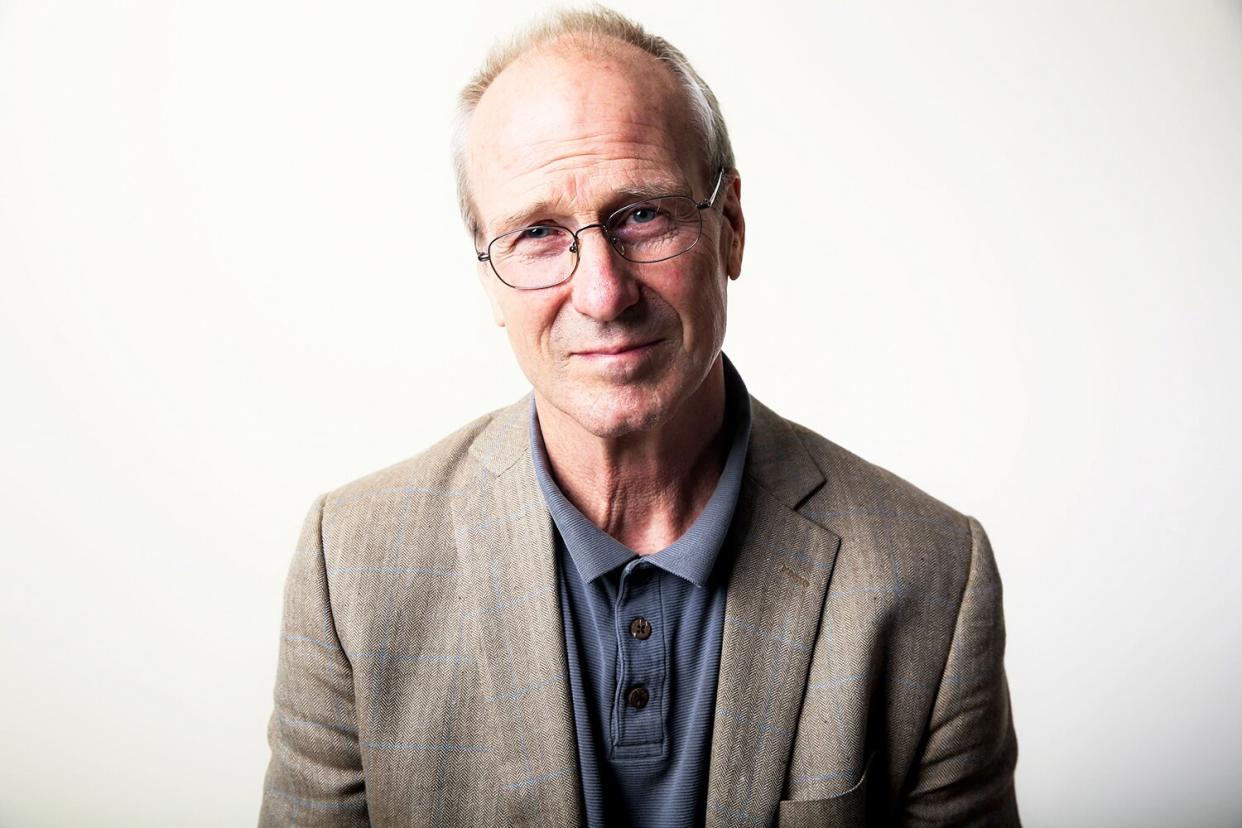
559, 138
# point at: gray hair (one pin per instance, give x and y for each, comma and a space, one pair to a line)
592, 25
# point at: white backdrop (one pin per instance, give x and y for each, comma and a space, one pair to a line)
232, 270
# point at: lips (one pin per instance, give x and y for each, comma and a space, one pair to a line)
613, 350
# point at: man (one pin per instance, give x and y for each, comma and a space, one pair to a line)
637, 596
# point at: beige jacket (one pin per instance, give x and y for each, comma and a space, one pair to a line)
422, 673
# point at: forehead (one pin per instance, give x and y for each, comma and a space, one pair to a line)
571, 125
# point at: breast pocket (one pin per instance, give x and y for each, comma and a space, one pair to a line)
847, 809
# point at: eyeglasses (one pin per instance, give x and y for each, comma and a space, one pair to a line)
652, 230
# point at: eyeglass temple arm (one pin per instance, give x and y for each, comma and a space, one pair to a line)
703, 205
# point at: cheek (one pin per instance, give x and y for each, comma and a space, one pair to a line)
700, 300
529, 324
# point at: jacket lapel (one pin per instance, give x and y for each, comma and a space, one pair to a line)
775, 599
504, 536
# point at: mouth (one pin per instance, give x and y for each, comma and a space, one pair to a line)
621, 350
619, 354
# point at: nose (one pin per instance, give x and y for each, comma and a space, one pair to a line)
603, 285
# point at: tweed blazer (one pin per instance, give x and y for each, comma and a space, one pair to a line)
422, 676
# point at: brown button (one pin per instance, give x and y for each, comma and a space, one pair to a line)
638, 697
640, 628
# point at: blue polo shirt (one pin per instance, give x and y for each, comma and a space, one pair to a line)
642, 638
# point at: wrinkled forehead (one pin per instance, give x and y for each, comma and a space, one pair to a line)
571, 124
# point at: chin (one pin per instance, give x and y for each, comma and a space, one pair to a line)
615, 412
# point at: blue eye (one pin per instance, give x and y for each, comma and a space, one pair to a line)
539, 240
642, 215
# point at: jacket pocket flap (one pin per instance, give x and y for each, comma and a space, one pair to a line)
846, 809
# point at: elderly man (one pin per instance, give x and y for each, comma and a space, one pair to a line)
636, 596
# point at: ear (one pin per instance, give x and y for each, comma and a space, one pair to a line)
735, 237
492, 287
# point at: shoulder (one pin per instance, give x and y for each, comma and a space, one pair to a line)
888, 525
442, 470
392, 531
849, 477
869, 485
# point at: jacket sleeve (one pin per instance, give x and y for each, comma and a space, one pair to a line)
315, 773
965, 771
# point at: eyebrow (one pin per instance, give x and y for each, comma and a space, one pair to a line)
619, 198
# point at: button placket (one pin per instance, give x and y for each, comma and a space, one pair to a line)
640, 669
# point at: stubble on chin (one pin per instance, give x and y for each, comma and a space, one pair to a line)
606, 410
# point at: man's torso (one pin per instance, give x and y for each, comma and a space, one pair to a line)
439, 591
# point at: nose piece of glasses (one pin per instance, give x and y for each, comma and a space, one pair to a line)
613, 241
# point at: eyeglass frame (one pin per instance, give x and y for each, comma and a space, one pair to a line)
486, 256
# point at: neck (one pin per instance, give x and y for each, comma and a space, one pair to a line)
644, 488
